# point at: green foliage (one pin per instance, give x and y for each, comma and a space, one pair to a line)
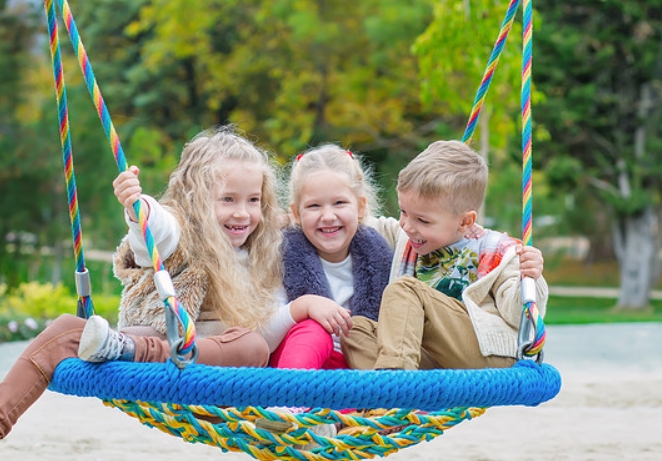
599, 63
453, 54
28, 309
564, 172
595, 61
41, 301
289, 72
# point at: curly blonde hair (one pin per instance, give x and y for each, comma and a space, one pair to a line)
239, 299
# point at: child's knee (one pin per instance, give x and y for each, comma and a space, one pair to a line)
402, 284
66, 322
254, 350
364, 325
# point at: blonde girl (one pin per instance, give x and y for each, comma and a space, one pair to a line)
329, 253
218, 233
227, 269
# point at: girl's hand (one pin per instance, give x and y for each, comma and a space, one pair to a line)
475, 232
333, 317
330, 315
127, 189
530, 261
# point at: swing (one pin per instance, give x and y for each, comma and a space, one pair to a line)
221, 406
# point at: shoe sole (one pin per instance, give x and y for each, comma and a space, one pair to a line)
94, 327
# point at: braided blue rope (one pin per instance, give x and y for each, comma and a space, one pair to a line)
526, 383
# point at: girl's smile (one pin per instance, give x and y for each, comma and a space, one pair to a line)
329, 214
238, 206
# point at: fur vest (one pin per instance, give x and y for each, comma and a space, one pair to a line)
140, 304
371, 262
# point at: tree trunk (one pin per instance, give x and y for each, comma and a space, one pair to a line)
636, 238
637, 250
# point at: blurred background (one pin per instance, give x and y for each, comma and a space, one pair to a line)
383, 78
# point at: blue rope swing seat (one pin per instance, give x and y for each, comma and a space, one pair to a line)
188, 398
224, 407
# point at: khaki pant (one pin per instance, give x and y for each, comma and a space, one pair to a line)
30, 375
419, 327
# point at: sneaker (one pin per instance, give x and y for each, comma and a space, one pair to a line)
99, 343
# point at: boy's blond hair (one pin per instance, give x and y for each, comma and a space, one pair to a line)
237, 298
330, 157
449, 171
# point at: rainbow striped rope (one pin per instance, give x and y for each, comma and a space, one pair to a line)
111, 134
492, 63
530, 309
86, 306
532, 313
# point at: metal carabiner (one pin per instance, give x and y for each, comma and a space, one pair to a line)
525, 338
176, 341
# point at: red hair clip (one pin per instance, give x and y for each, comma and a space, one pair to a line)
299, 156
349, 152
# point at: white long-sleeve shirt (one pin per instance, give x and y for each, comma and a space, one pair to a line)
166, 232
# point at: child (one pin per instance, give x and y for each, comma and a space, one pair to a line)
217, 229
452, 302
330, 253
218, 232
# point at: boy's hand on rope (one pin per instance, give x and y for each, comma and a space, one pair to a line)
127, 190
330, 315
530, 261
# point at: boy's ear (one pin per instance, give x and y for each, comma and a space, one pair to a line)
295, 214
468, 220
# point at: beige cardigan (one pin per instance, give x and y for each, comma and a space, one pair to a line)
493, 302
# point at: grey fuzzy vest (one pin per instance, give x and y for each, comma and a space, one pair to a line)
371, 263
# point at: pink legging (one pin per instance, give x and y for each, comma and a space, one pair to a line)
307, 346
30, 375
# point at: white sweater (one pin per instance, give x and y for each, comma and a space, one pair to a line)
493, 301
166, 232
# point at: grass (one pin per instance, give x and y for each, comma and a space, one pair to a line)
564, 310
558, 271
570, 272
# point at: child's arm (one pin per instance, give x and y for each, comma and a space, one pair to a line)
330, 315
279, 323
389, 228
475, 232
163, 225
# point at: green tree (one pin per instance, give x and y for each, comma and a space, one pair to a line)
600, 65
26, 180
453, 54
298, 73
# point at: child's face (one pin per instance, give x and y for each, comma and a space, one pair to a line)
329, 214
428, 224
239, 202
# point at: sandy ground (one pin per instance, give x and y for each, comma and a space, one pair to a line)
609, 409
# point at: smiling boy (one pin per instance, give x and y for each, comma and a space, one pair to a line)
453, 302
